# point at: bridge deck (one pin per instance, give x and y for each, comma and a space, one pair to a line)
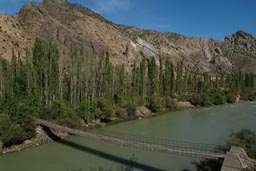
143, 142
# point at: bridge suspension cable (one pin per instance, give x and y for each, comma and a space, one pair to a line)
165, 142
199, 150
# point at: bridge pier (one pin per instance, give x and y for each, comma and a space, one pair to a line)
236, 160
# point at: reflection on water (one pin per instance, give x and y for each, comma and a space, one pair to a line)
207, 125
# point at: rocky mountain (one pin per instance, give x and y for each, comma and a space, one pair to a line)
69, 24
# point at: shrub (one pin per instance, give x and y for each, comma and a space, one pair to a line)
195, 99
131, 109
209, 165
245, 139
103, 108
206, 100
248, 96
16, 125
63, 114
123, 101
155, 103
231, 98
184, 98
170, 103
220, 99
84, 111
10, 133
121, 112
120, 100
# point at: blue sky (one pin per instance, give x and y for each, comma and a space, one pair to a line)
199, 18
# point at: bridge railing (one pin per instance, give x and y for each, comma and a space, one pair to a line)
164, 142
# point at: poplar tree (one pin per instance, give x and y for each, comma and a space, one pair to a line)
142, 78
161, 78
152, 77
2, 78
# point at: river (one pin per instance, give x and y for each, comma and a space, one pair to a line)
204, 125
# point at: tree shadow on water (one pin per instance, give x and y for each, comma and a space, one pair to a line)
101, 154
209, 165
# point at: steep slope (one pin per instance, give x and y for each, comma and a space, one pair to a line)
236, 52
69, 25
240, 49
11, 36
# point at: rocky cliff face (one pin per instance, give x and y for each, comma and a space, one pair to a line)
69, 24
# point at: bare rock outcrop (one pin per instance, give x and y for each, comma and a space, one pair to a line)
67, 24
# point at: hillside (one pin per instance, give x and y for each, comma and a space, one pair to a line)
69, 25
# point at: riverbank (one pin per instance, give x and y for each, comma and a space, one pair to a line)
142, 113
41, 138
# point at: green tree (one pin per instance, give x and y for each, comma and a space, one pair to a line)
16, 125
245, 139
170, 103
152, 77
45, 71
84, 110
195, 99
179, 82
206, 100
10, 133
231, 98
61, 112
103, 108
3, 79
142, 84
220, 99
155, 103
161, 78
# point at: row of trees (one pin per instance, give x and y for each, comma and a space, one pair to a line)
48, 77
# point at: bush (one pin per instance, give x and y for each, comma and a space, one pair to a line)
209, 165
16, 125
103, 108
184, 98
220, 99
155, 103
195, 99
206, 100
123, 101
248, 96
131, 109
11, 133
231, 98
121, 112
120, 100
63, 114
84, 111
245, 139
170, 103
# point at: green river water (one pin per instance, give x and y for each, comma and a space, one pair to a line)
207, 125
